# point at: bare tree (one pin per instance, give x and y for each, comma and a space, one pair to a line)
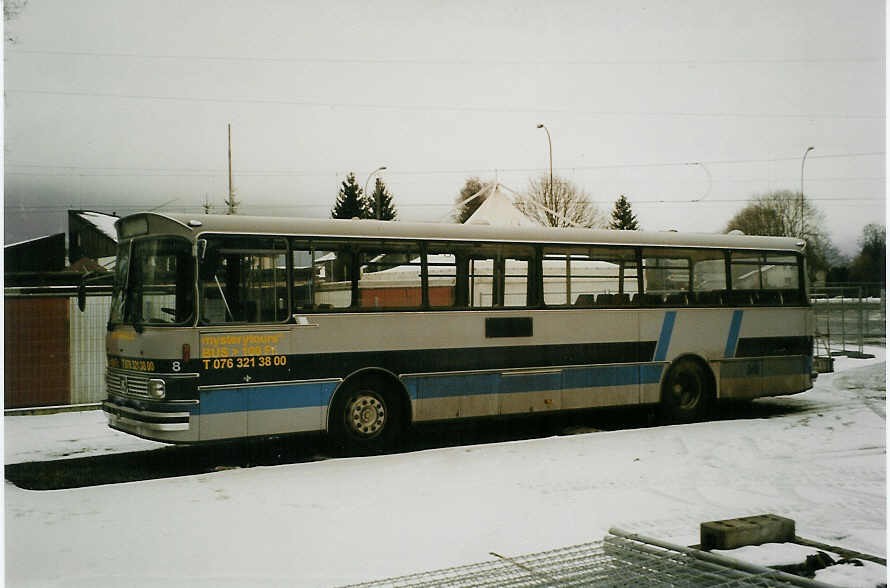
778, 214
561, 204
11, 11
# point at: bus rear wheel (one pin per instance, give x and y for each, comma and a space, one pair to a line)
687, 393
365, 417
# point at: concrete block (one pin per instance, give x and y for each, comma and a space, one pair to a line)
755, 530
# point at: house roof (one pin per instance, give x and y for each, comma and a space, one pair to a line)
31, 240
103, 222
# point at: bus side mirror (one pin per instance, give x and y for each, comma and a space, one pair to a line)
82, 295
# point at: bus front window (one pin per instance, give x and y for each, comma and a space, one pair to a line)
154, 283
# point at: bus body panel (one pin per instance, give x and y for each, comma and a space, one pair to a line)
240, 379
590, 366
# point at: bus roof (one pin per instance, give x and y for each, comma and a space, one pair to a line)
192, 226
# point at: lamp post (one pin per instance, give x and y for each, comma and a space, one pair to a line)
802, 162
377, 200
550, 147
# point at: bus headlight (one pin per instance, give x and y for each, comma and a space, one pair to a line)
157, 389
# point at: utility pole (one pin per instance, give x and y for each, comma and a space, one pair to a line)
232, 205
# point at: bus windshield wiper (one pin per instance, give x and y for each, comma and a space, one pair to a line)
223, 294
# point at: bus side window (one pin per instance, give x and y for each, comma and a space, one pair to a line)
442, 274
589, 276
482, 282
667, 273
390, 275
770, 278
322, 274
516, 282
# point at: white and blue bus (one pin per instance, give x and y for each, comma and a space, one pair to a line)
232, 326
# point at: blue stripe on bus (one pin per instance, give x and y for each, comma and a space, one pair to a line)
664, 340
766, 367
735, 327
318, 394
483, 384
298, 395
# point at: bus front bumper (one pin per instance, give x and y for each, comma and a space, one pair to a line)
161, 422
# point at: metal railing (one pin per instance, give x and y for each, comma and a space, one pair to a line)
620, 559
848, 318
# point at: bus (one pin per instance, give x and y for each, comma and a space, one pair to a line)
226, 327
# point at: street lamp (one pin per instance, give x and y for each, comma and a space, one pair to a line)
371, 175
802, 162
550, 146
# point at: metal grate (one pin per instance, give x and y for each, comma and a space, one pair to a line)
614, 561
126, 383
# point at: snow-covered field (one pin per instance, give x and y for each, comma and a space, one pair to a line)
821, 460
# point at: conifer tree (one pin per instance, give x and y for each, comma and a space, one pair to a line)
464, 207
623, 217
351, 202
383, 199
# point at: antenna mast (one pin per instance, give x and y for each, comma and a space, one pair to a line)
231, 203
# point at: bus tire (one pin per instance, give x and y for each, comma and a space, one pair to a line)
687, 392
365, 416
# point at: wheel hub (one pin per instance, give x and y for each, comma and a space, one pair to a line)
367, 415
687, 392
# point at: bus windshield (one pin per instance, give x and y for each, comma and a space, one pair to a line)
154, 283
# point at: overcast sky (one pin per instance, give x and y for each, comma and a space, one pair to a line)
122, 105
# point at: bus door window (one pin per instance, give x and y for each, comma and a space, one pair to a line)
390, 275
119, 292
244, 279
322, 274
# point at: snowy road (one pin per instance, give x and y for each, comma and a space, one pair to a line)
819, 459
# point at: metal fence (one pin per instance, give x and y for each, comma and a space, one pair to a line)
620, 559
848, 318
87, 337
54, 353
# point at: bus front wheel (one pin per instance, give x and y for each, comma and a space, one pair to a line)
687, 392
365, 417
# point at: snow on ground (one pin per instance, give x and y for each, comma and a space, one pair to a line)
821, 460
854, 573
66, 435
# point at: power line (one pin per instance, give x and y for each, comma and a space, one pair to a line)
834, 200
449, 61
199, 172
441, 107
